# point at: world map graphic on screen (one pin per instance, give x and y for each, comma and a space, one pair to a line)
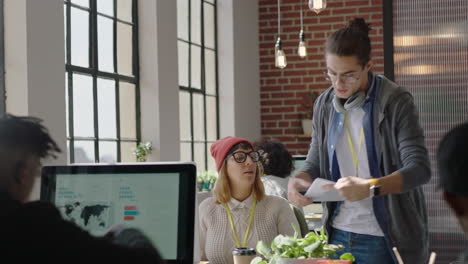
89, 215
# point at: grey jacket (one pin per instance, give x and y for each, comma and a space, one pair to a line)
399, 146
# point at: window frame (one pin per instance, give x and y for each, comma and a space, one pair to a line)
202, 90
94, 72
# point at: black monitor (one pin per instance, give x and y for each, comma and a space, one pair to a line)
298, 161
157, 198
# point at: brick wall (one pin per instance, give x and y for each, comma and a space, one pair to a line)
282, 90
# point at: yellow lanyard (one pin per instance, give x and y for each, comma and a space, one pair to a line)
351, 146
233, 228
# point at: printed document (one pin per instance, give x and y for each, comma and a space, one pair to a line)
318, 194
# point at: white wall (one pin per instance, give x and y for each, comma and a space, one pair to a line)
34, 65
239, 79
159, 78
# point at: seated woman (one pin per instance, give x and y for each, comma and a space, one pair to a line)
239, 214
277, 165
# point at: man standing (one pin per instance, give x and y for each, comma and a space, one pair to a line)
452, 163
367, 138
35, 230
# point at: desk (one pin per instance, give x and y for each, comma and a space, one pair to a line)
314, 221
313, 216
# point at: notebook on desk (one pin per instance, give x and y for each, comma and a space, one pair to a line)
158, 198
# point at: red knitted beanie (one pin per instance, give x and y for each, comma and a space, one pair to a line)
220, 148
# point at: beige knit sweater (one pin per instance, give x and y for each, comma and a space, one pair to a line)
273, 216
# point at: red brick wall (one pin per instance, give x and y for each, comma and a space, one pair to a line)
282, 90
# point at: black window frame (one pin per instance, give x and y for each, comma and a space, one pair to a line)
202, 91
94, 72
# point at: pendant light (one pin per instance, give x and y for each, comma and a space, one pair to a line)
280, 57
317, 5
302, 49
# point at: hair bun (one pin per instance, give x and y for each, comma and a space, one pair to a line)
360, 25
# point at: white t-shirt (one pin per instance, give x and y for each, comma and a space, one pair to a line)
357, 217
276, 186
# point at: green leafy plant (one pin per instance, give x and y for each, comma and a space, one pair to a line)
142, 150
206, 179
307, 102
313, 245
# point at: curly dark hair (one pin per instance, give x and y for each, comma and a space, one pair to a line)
276, 158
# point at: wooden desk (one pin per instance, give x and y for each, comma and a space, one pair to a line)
314, 217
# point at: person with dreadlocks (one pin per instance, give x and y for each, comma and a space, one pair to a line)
35, 230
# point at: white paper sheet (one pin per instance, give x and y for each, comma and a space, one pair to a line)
318, 194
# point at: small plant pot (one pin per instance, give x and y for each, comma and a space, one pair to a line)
300, 261
206, 187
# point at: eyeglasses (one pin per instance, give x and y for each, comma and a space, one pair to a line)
241, 156
346, 78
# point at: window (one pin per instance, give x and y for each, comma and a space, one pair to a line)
102, 87
198, 85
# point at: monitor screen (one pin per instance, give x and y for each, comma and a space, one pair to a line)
157, 198
298, 161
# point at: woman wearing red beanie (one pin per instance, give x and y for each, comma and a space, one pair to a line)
240, 214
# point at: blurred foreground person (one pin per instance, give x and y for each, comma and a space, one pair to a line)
452, 162
36, 230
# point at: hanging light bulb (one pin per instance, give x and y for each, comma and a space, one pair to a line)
317, 5
280, 57
302, 49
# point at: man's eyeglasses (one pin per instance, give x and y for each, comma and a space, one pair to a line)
346, 78
241, 156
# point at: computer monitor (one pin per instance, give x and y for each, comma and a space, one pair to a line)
157, 198
298, 161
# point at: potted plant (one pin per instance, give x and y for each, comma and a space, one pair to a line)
307, 102
294, 250
205, 180
142, 150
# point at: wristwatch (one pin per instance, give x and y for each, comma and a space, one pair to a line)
374, 189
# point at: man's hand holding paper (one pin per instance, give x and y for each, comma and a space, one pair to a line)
323, 190
349, 188
296, 185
